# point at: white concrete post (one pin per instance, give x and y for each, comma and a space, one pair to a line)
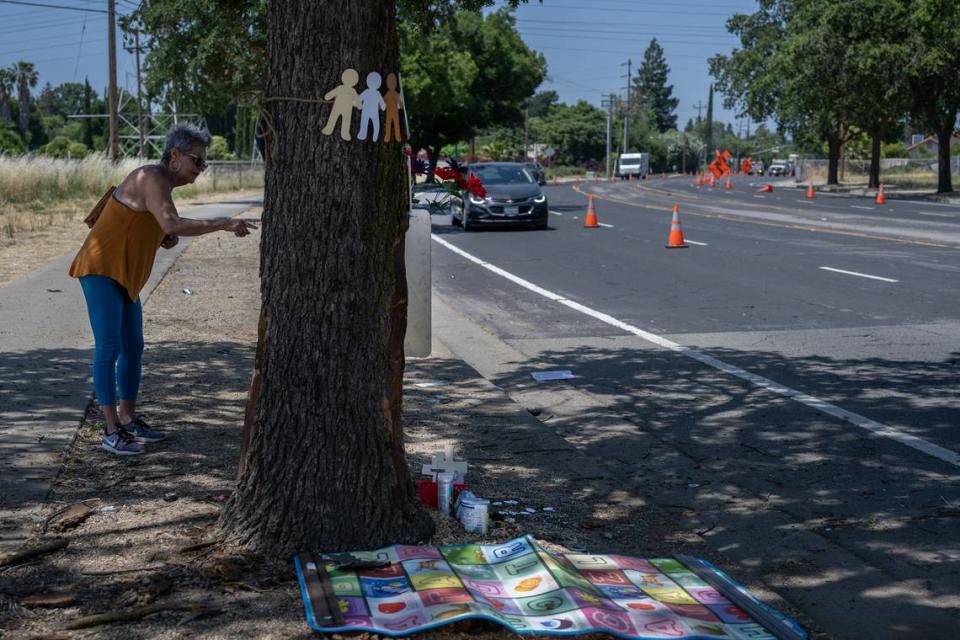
417, 259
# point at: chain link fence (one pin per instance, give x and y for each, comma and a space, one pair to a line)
225, 175
905, 172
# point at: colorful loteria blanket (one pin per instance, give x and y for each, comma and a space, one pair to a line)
402, 589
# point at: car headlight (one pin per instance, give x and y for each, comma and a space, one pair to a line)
540, 198
475, 200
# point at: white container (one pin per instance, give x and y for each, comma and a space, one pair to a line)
444, 492
473, 513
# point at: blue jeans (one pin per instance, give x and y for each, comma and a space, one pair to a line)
117, 327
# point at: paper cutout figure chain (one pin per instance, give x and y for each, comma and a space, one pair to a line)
370, 103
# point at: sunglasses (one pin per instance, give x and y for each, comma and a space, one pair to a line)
198, 162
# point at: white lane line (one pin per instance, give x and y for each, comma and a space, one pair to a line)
701, 244
938, 215
855, 206
862, 275
556, 213
756, 196
604, 224
886, 431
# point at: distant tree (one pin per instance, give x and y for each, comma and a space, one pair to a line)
26, 77
6, 85
934, 74
540, 104
576, 132
792, 66
651, 88
454, 92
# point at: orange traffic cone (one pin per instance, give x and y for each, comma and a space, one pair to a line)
675, 240
810, 193
711, 182
698, 181
768, 188
881, 199
590, 222
729, 184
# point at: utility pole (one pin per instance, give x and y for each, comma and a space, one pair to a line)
608, 103
626, 111
137, 49
112, 91
699, 107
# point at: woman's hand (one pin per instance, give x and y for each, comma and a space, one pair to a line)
170, 241
239, 227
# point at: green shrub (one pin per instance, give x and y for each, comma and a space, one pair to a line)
10, 142
219, 150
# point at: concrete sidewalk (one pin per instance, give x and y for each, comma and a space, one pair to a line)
46, 350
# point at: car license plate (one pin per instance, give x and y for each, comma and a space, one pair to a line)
511, 211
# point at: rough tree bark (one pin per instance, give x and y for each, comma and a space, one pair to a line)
833, 160
325, 467
944, 137
875, 140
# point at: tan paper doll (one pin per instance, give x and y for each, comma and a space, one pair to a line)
345, 100
394, 103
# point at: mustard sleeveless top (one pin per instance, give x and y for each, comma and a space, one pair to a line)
122, 245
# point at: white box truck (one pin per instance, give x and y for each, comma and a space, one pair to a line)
633, 164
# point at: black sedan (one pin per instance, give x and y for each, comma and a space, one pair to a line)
513, 198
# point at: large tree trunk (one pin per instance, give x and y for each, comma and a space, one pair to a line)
433, 157
944, 137
4, 103
833, 160
24, 103
875, 161
325, 467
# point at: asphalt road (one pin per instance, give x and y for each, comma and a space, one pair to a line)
795, 372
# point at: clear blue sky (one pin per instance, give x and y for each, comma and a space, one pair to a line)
584, 42
65, 45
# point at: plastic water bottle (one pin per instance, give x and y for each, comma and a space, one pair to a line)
444, 492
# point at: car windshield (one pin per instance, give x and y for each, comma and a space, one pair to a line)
502, 174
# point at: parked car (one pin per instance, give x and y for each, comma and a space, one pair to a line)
777, 169
539, 174
513, 197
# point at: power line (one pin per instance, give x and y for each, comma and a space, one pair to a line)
51, 46
83, 32
51, 6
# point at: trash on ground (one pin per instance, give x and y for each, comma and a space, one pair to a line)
541, 376
526, 587
430, 384
71, 516
187, 291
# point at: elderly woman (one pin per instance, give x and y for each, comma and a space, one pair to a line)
114, 263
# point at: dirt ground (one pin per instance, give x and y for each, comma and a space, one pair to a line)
143, 544
41, 236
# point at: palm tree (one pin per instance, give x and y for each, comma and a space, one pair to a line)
6, 85
26, 76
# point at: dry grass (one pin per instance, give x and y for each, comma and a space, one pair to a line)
38, 192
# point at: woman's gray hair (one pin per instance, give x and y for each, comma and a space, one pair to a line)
182, 136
